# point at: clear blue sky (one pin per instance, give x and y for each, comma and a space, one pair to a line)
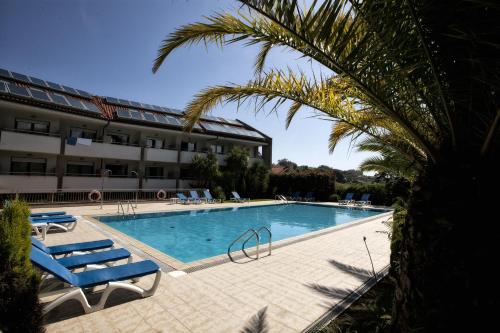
107, 48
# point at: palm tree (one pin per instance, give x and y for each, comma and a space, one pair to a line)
421, 77
389, 160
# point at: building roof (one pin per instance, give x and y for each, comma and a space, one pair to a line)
30, 90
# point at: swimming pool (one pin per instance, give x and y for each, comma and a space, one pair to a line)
198, 234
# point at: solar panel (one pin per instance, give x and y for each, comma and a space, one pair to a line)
84, 93
161, 119
20, 77
4, 73
149, 116
75, 102
112, 100
137, 105
156, 108
59, 99
54, 85
122, 113
17, 90
91, 106
223, 128
70, 90
231, 121
38, 81
39, 94
136, 114
174, 121
3, 87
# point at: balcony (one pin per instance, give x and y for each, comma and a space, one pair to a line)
30, 142
27, 183
104, 150
158, 183
160, 155
92, 182
187, 156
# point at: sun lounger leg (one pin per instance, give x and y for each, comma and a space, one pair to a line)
76, 294
122, 285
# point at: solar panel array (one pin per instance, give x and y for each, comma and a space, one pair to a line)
224, 128
124, 102
161, 115
30, 80
49, 97
150, 117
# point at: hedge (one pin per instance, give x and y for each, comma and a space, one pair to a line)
322, 184
20, 310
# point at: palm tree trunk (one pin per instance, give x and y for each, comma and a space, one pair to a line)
446, 260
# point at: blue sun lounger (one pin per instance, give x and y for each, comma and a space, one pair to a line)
72, 247
348, 199
112, 277
209, 198
185, 200
97, 258
236, 197
364, 200
195, 197
47, 214
41, 225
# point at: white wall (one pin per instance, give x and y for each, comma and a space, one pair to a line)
26, 142
27, 184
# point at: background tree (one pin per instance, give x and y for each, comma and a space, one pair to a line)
205, 169
236, 167
421, 77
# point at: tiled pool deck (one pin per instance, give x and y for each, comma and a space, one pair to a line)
300, 283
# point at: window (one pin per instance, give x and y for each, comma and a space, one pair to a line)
154, 172
80, 168
32, 126
121, 139
217, 149
154, 143
82, 133
118, 170
188, 146
28, 166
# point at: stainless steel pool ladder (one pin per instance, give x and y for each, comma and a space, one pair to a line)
130, 207
252, 233
281, 198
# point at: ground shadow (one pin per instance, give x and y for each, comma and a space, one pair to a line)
258, 323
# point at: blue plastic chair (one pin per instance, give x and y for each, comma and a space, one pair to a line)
348, 199
72, 247
364, 200
236, 197
209, 198
112, 277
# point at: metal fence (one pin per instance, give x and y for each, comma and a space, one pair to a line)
91, 197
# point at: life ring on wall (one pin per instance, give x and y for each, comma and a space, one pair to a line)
95, 195
161, 194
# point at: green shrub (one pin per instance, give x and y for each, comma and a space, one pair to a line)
321, 183
333, 198
219, 193
20, 310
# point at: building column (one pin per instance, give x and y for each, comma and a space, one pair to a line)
267, 152
60, 163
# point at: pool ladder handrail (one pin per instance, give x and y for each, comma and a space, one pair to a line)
256, 234
130, 207
281, 197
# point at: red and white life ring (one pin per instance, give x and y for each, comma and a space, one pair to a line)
161, 194
95, 195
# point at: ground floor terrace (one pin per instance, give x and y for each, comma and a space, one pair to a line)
305, 282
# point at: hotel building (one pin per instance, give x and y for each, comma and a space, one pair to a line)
55, 139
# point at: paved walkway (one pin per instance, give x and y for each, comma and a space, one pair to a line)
297, 284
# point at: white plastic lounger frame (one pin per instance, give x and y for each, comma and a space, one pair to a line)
77, 293
44, 227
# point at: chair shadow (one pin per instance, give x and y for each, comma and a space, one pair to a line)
73, 308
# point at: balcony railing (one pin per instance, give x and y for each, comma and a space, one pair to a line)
48, 143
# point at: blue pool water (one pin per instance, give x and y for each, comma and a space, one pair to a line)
193, 235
